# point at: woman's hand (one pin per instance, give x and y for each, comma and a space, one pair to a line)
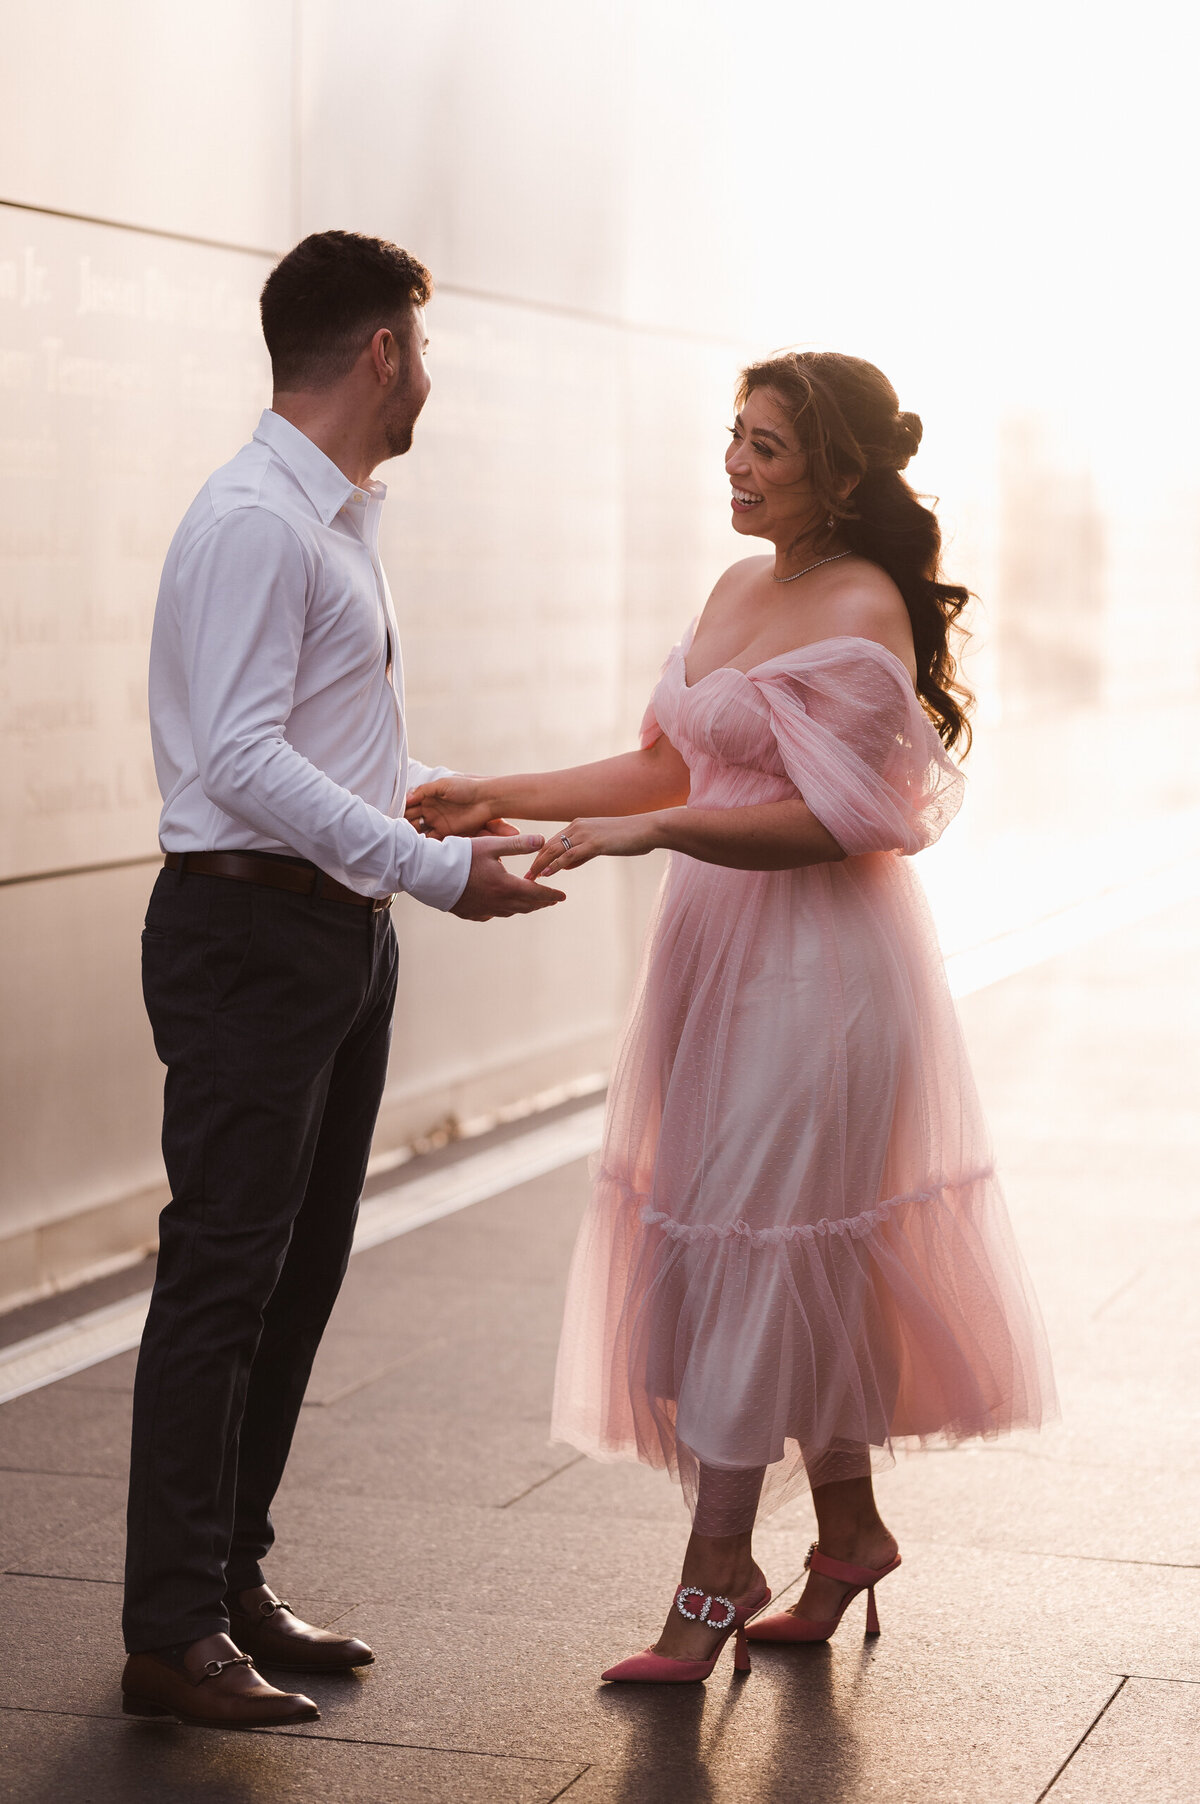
608, 836
452, 805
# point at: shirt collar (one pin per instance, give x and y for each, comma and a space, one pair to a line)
324, 484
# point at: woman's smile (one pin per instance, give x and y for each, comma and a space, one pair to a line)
767, 469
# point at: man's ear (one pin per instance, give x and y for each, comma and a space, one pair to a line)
385, 356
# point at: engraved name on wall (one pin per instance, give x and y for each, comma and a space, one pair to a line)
130, 367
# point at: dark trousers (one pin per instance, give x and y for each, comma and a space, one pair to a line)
272, 1014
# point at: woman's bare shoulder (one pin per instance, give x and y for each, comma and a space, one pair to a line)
747, 567
729, 590
867, 605
738, 576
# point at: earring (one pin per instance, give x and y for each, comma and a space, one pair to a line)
829, 522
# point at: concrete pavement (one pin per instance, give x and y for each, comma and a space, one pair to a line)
1042, 1639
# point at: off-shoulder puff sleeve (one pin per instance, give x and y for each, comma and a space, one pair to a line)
652, 727
859, 747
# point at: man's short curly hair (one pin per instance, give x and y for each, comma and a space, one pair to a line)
324, 300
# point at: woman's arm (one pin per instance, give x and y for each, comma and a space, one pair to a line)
631, 783
766, 836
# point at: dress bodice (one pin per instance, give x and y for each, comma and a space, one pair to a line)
723, 720
836, 722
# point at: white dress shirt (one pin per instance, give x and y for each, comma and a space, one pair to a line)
276, 712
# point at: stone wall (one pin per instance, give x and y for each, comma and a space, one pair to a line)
556, 525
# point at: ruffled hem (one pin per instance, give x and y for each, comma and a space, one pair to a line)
856, 1226
809, 1349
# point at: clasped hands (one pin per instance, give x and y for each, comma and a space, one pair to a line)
460, 805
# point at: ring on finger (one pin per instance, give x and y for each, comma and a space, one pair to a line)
565, 840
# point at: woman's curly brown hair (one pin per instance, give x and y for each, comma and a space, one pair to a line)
848, 423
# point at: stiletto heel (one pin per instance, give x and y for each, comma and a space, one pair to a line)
660, 1669
786, 1627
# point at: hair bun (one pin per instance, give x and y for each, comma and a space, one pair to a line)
908, 433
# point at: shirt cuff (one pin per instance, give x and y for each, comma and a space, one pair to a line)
441, 872
419, 773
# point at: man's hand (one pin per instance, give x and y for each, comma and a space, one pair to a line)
492, 891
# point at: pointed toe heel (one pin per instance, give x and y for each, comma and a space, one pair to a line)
656, 1669
650, 1668
786, 1627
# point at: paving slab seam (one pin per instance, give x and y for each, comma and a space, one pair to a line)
582, 1773
384, 1371
88, 1716
539, 1482
1161, 1678
1117, 1690
42, 1472
1056, 1553
412, 1747
287, 1733
331, 1621
59, 1578
1094, 1559
1117, 1294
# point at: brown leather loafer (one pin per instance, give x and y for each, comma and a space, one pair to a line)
266, 1627
215, 1685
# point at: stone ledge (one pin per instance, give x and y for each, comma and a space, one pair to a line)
53, 1256
58, 1255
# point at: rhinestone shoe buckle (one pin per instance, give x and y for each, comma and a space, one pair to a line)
703, 1614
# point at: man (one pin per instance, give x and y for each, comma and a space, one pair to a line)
269, 963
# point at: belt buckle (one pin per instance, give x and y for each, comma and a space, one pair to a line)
381, 904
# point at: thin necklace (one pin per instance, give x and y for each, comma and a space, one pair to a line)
816, 566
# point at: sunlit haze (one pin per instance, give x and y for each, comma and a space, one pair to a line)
996, 206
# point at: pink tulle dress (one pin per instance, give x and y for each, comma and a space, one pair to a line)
796, 1253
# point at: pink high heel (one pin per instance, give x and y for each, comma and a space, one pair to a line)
719, 1613
786, 1627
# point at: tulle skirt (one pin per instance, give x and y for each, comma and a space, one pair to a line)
797, 1255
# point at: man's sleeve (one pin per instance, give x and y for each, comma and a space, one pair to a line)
241, 597
419, 773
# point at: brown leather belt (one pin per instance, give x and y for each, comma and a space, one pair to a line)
302, 878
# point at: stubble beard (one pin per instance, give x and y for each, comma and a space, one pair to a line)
399, 438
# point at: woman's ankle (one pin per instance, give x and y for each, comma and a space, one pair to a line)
851, 1541
730, 1571
849, 1525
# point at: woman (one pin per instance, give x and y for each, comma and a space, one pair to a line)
796, 1252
